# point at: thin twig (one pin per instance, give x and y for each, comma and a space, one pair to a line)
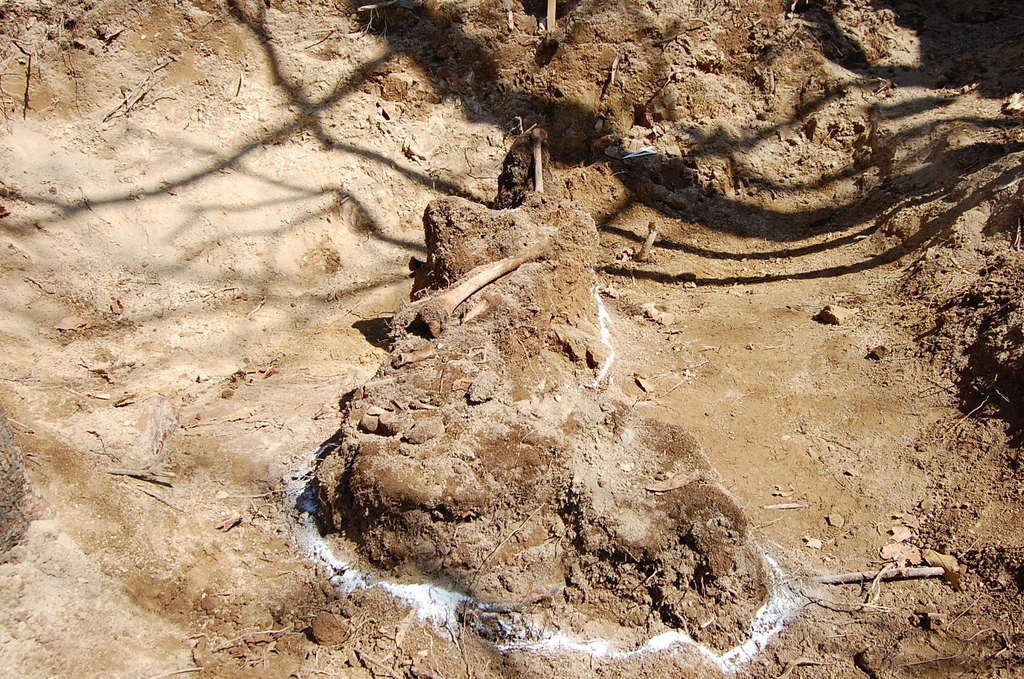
368, 660
234, 642
28, 79
882, 576
968, 415
160, 499
188, 670
793, 664
505, 541
148, 475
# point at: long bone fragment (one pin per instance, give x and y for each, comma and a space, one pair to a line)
538, 136
437, 310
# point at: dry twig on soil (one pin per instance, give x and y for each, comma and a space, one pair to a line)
369, 660
28, 79
884, 575
132, 101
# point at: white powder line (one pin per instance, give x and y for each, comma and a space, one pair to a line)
440, 606
603, 320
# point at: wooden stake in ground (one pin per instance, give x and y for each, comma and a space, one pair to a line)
551, 16
437, 310
538, 136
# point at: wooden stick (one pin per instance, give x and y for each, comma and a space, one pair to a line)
369, 660
538, 136
28, 79
435, 311
894, 574
157, 476
551, 16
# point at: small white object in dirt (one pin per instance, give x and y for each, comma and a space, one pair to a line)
603, 319
1015, 105
641, 153
813, 543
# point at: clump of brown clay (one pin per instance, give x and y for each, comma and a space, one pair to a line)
485, 466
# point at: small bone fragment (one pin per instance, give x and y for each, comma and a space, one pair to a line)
645, 250
407, 357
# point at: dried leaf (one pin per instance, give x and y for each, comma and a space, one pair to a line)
69, 323
900, 533
229, 523
947, 563
643, 383
901, 552
241, 414
674, 482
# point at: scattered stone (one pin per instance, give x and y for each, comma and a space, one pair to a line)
835, 315
70, 323
836, 520
390, 424
932, 620
597, 354
330, 629
813, 543
659, 317
900, 533
368, 423
412, 151
14, 518
878, 353
424, 430
483, 387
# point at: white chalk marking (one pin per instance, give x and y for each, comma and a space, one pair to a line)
440, 606
603, 319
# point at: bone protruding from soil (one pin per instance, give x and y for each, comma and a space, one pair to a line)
435, 311
539, 136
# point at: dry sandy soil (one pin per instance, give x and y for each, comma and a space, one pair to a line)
207, 210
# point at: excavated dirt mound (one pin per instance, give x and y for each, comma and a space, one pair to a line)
495, 459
